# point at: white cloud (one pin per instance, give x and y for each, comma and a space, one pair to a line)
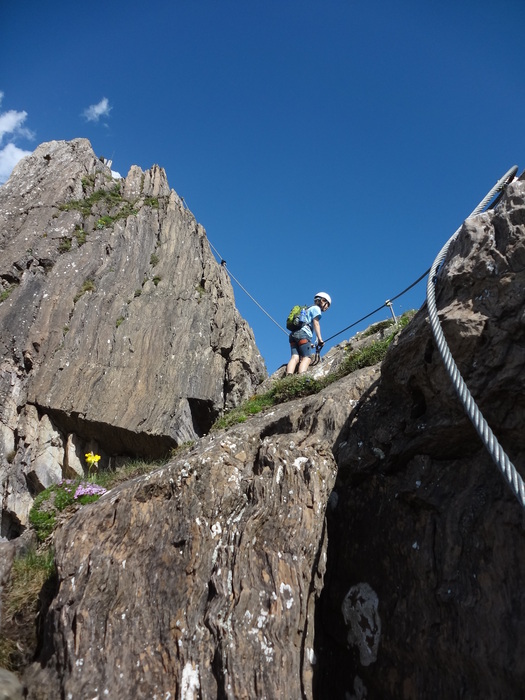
94, 112
9, 157
11, 123
11, 127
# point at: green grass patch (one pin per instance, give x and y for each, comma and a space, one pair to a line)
28, 575
282, 391
112, 198
81, 491
8, 649
131, 469
56, 498
88, 286
377, 327
105, 221
366, 357
81, 236
252, 406
5, 293
29, 589
88, 182
297, 386
65, 245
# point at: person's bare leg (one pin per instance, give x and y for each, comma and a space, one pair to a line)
304, 364
292, 364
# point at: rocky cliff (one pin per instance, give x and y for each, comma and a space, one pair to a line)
424, 595
357, 543
119, 329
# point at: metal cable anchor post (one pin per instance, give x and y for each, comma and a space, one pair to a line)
389, 304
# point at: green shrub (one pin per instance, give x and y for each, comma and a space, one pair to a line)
294, 387
129, 470
43, 521
88, 182
381, 326
252, 406
56, 498
366, 357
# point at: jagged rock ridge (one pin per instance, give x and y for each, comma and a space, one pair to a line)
119, 329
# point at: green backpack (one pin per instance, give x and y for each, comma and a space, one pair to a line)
296, 318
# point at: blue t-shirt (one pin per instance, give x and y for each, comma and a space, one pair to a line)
311, 313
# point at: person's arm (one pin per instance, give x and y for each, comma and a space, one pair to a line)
317, 330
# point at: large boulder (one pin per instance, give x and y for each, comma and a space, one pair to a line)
119, 328
201, 579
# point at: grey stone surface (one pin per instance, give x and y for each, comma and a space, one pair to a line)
205, 572
358, 543
10, 686
423, 516
119, 329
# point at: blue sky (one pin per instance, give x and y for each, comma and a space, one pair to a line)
329, 145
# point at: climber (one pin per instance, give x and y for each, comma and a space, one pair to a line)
301, 340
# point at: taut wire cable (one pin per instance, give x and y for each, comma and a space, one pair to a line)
480, 424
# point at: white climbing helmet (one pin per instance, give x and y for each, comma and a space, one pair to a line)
325, 296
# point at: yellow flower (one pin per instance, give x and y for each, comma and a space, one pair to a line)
92, 460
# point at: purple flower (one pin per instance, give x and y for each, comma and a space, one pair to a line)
84, 489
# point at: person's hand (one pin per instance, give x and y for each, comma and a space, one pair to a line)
320, 345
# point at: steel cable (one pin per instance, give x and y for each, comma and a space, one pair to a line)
383, 306
223, 264
487, 436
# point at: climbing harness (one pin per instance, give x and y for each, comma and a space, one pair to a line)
487, 436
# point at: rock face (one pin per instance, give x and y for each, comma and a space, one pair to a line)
200, 580
354, 544
119, 329
424, 592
